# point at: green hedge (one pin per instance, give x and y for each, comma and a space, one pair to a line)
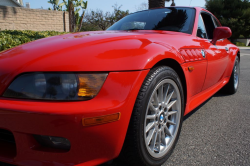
12, 38
240, 44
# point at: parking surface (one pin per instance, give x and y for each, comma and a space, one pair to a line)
245, 51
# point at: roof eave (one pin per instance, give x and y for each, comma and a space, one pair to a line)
17, 3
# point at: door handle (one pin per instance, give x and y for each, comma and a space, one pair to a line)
226, 48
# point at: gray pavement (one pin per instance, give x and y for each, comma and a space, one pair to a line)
244, 48
244, 52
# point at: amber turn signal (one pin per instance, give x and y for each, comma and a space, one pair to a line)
101, 119
90, 84
190, 68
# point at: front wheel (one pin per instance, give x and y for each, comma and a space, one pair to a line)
156, 119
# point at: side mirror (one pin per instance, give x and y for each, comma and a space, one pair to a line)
221, 33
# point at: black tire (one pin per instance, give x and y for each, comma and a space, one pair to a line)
135, 151
232, 86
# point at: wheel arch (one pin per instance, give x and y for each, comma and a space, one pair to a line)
178, 69
238, 54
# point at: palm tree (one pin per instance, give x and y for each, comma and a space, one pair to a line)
158, 3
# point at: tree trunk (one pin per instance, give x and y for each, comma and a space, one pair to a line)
173, 4
156, 3
71, 17
80, 26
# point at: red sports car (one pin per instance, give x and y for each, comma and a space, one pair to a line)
87, 98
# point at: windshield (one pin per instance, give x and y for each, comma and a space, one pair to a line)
168, 19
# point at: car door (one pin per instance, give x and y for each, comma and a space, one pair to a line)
193, 54
217, 55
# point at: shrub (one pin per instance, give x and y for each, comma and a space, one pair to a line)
240, 44
12, 38
89, 27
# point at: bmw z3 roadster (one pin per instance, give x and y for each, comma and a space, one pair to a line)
87, 98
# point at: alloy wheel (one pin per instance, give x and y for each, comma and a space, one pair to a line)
236, 74
162, 118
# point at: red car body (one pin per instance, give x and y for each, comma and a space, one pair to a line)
127, 56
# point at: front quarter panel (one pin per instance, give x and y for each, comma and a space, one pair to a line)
91, 145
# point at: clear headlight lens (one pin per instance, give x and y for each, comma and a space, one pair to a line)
56, 86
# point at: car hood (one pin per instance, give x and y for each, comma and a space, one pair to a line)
87, 51
84, 52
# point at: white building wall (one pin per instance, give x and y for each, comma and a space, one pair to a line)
20, 1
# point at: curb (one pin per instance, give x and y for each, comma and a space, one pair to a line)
244, 48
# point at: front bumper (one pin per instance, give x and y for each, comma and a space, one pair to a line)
89, 145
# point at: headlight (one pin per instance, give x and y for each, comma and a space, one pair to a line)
56, 86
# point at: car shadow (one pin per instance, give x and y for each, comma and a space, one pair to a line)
196, 109
220, 93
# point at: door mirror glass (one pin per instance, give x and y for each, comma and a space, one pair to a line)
221, 33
